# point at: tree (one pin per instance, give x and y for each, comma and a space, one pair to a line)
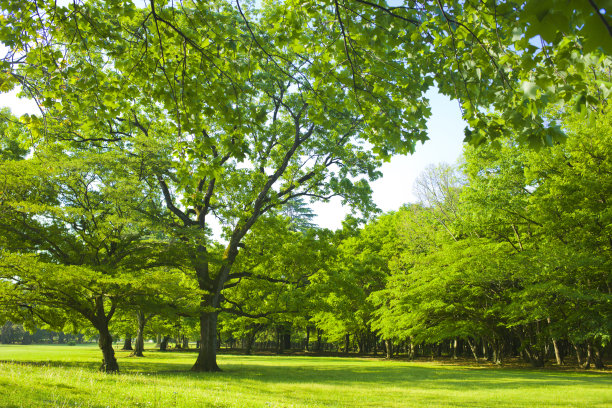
224, 130
75, 248
505, 62
271, 283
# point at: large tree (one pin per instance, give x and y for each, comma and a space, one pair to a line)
222, 129
75, 248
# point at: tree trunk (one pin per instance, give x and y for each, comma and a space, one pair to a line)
473, 348
139, 346
286, 340
250, 339
347, 342
557, 352
410, 349
105, 342
185, 345
307, 338
578, 354
587, 363
389, 346
207, 353
127, 343
163, 346
597, 358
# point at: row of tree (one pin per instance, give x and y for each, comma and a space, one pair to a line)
507, 254
154, 118
510, 251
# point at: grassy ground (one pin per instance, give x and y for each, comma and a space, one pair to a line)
65, 376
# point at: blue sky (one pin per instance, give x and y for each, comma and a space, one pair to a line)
395, 188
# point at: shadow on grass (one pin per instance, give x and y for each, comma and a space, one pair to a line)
340, 372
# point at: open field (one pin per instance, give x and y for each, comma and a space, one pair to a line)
65, 376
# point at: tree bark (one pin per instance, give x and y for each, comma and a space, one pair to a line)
139, 346
163, 346
207, 355
578, 354
597, 358
307, 338
127, 343
347, 343
389, 346
410, 349
105, 342
473, 348
558, 356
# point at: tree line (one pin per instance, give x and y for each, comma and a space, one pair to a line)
507, 254
156, 118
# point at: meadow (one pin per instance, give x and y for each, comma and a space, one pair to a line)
66, 376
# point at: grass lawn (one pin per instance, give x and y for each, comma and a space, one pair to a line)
66, 376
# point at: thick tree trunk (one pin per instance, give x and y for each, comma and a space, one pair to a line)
250, 339
207, 354
163, 346
127, 343
105, 342
597, 358
389, 346
139, 346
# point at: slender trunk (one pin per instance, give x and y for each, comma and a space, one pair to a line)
587, 363
105, 342
185, 343
127, 343
347, 341
473, 348
410, 349
578, 354
139, 346
557, 352
207, 355
454, 344
307, 338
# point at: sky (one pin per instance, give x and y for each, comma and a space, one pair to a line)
395, 187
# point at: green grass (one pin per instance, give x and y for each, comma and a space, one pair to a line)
65, 376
